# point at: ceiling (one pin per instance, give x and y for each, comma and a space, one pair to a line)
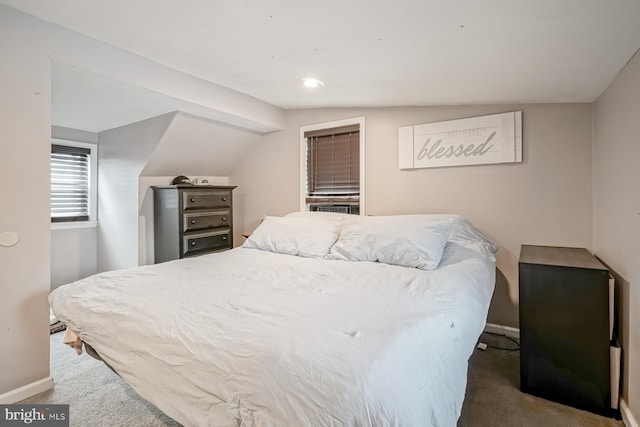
104, 108
367, 52
186, 135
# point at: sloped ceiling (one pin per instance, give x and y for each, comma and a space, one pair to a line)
87, 101
195, 146
92, 102
372, 53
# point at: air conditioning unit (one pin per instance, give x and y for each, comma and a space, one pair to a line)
338, 208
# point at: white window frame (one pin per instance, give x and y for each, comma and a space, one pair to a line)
303, 157
93, 186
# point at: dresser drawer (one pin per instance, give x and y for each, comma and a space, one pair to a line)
204, 220
191, 220
210, 199
213, 240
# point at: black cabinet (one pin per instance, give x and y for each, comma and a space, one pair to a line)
191, 220
564, 327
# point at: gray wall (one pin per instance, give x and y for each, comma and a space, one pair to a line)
544, 200
616, 210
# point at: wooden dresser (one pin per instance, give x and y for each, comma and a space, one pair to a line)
564, 327
191, 220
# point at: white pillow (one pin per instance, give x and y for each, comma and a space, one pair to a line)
405, 240
463, 232
466, 234
304, 237
328, 216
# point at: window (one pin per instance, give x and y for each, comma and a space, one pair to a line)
332, 166
72, 182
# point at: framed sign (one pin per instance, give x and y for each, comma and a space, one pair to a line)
474, 141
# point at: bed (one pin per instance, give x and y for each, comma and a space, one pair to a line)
317, 320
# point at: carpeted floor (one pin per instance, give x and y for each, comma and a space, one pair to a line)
95, 394
494, 398
98, 397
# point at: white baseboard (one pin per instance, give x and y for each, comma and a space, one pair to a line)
26, 391
627, 416
504, 330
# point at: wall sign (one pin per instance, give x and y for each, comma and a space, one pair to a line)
475, 141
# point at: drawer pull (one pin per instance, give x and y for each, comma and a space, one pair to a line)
224, 199
193, 243
193, 221
224, 218
224, 237
193, 200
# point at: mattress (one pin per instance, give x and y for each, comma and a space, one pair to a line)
256, 338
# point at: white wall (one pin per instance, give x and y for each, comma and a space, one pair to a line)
196, 146
544, 200
122, 156
616, 209
25, 147
74, 251
73, 255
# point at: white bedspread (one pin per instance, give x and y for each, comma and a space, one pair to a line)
254, 338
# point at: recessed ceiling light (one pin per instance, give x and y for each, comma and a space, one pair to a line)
312, 83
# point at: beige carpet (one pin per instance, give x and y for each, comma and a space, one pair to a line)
98, 397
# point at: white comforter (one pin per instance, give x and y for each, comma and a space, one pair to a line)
254, 338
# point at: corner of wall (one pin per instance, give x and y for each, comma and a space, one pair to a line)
123, 154
70, 134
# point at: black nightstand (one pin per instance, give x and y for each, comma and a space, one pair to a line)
564, 327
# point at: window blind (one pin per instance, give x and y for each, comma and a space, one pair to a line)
333, 162
69, 183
